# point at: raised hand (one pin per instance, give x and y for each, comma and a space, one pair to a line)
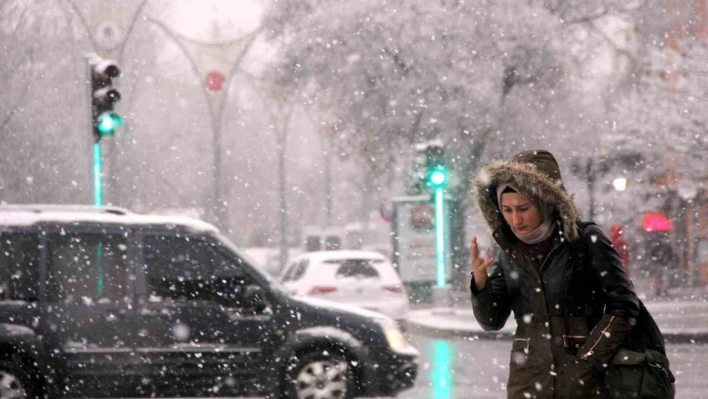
480, 263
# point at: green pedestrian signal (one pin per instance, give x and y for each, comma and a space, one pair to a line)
437, 177
107, 122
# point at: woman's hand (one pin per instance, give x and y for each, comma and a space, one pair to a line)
480, 265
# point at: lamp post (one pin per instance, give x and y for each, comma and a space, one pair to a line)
280, 108
326, 133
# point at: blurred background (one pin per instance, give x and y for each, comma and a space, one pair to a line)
287, 122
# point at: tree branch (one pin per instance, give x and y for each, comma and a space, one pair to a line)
604, 36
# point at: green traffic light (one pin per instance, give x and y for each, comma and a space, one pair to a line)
437, 177
108, 122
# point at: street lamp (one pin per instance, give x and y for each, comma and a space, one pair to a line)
620, 183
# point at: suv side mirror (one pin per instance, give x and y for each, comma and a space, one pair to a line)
254, 298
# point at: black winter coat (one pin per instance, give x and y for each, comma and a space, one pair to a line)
573, 314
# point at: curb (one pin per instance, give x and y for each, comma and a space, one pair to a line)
670, 337
686, 338
451, 333
436, 326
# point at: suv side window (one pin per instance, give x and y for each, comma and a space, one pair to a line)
229, 282
19, 266
176, 267
87, 266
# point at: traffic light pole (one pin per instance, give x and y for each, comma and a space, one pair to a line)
442, 295
440, 237
104, 120
97, 175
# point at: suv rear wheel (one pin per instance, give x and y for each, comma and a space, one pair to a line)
321, 375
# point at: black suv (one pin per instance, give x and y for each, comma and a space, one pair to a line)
106, 302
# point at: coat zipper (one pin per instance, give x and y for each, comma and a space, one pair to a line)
540, 271
604, 331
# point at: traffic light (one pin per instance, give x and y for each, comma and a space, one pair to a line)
429, 170
436, 173
437, 177
103, 96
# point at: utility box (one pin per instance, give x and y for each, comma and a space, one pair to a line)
413, 243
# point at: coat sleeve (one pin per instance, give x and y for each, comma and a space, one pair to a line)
492, 305
621, 303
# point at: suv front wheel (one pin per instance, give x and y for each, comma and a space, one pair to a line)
14, 382
321, 375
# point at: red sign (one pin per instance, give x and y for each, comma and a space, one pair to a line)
655, 221
215, 80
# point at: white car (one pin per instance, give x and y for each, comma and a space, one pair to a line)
360, 278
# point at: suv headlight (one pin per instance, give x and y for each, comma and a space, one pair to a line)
395, 338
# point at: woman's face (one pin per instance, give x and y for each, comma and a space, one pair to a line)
520, 213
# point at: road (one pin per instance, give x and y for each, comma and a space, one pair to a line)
461, 368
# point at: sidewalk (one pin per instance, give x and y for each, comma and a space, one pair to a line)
682, 318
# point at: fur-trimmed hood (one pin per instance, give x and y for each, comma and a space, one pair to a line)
535, 173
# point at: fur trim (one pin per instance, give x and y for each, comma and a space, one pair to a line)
529, 180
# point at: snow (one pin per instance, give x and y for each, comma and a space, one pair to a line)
341, 254
322, 303
460, 321
29, 215
331, 332
617, 90
680, 320
12, 330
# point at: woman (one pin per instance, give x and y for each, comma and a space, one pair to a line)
565, 283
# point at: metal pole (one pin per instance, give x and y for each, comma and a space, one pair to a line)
96, 147
590, 171
328, 178
217, 201
439, 237
97, 181
283, 203
442, 295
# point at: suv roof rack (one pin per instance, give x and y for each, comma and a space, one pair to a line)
39, 208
